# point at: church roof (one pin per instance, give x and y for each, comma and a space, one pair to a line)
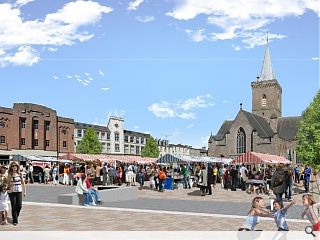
267, 71
288, 127
259, 124
225, 129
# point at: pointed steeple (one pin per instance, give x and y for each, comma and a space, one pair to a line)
267, 71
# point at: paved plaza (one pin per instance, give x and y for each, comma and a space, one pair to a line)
177, 210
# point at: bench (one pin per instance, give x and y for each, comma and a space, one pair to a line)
108, 194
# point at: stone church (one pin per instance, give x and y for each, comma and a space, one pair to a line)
264, 129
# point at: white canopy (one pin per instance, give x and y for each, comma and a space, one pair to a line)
171, 158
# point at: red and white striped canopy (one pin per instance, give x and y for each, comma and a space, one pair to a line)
257, 158
109, 158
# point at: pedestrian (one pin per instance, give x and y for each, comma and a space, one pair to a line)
288, 183
234, 178
46, 172
203, 180
243, 177
210, 180
105, 174
161, 176
16, 188
215, 175
71, 174
4, 206
141, 177
55, 175
297, 174
306, 177
277, 185
31, 172
221, 175
3, 175
257, 210
66, 175
309, 205
280, 215
81, 189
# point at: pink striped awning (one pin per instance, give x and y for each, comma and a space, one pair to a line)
257, 158
109, 158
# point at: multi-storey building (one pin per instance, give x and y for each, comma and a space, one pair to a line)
180, 149
113, 137
33, 129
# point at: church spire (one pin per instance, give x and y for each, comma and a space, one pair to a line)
267, 71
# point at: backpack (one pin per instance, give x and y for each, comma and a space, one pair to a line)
279, 179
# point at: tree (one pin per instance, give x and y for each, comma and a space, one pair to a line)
90, 143
308, 135
151, 148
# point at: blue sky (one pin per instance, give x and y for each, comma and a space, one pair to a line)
169, 67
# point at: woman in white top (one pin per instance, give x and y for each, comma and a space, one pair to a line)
82, 189
16, 186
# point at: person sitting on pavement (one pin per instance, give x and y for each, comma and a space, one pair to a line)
81, 189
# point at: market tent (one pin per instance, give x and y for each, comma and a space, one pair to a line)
109, 158
171, 158
258, 158
35, 160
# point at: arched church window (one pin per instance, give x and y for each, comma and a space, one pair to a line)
2, 125
264, 100
241, 141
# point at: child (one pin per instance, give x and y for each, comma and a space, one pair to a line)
257, 210
309, 203
280, 215
4, 207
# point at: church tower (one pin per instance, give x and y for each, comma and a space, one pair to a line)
266, 91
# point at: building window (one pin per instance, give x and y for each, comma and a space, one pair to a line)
64, 132
131, 139
78, 142
2, 125
241, 141
131, 149
137, 150
22, 123
126, 149
103, 135
108, 148
142, 140
137, 140
47, 143
35, 124
98, 135
108, 136
264, 100
126, 138
47, 125
64, 144
23, 141
35, 142
117, 147
116, 137
79, 132
103, 145
2, 139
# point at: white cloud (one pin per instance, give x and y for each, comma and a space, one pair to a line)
314, 58
56, 29
52, 49
77, 76
101, 73
68, 76
196, 36
134, 5
145, 19
87, 74
190, 126
23, 2
105, 89
237, 48
180, 109
25, 56
237, 19
55, 77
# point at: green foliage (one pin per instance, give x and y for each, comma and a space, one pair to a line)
151, 149
308, 135
89, 143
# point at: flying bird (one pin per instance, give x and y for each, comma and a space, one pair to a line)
105, 89
101, 73
55, 77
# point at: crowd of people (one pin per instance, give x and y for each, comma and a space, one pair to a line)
274, 180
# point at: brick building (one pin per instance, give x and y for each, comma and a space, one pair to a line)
262, 130
33, 129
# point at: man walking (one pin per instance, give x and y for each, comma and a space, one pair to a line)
307, 176
243, 177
